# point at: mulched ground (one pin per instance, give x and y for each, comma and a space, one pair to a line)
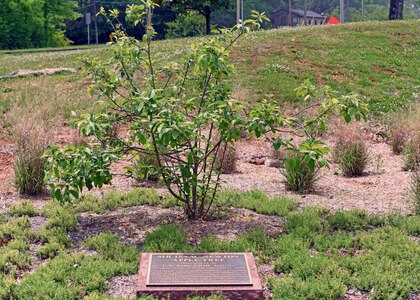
132, 224
376, 192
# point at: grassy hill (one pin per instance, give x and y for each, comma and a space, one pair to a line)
378, 60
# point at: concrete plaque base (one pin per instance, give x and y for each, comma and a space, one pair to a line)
159, 267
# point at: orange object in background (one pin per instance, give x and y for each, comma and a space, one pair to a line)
333, 21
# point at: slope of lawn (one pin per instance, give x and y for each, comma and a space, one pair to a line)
378, 60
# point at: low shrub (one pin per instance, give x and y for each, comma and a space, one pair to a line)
24, 208
298, 176
16, 228
350, 151
6, 285
54, 235
29, 163
398, 137
337, 241
321, 287
12, 258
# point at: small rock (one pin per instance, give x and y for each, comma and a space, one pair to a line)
256, 160
273, 163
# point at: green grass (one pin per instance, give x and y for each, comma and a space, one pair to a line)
377, 60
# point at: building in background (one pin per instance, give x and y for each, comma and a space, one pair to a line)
281, 18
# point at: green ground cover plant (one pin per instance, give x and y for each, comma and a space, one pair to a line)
257, 201
24, 208
114, 199
316, 260
319, 256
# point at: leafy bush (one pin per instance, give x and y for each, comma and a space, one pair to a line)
25, 208
351, 152
188, 24
144, 168
29, 163
298, 176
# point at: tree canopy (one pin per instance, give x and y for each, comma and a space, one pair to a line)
34, 23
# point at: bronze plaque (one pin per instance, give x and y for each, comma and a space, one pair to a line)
198, 270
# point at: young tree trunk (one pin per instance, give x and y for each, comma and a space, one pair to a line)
207, 14
305, 11
396, 10
290, 13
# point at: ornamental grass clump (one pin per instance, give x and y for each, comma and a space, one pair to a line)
415, 190
411, 154
30, 164
351, 151
403, 127
227, 158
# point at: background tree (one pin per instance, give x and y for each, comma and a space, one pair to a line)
55, 14
32, 23
396, 10
204, 7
